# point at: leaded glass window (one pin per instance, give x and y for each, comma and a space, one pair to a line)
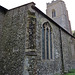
47, 41
43, 42
47, 44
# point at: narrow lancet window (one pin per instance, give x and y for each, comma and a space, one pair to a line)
47, 44
43, 42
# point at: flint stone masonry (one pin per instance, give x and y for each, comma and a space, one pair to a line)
21, 44
13, 41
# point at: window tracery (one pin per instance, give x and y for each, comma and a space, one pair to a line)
47, 41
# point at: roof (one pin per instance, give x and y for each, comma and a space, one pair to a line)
5, 10
2, 9
22, 5
35, 8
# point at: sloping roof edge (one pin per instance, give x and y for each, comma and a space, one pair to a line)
2, 9
22, 5
38, 10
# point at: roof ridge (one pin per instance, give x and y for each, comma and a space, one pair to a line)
22, 5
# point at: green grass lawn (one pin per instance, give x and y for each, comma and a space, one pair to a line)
71, 72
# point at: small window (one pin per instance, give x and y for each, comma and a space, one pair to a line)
53, 13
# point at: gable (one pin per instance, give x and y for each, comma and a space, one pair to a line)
3, 10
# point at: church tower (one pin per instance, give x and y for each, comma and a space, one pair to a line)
57, 11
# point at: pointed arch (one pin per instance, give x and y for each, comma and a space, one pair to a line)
53, 13
47, 41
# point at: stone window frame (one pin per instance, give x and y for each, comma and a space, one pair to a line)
47, 25
53, 13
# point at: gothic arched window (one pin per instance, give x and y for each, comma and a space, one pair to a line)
53, 13
47, 41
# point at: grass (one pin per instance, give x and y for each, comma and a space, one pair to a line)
71, 72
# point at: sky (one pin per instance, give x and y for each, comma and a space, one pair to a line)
41, 4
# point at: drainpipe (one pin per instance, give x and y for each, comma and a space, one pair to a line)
62, 61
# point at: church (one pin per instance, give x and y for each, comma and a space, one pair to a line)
34, 43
